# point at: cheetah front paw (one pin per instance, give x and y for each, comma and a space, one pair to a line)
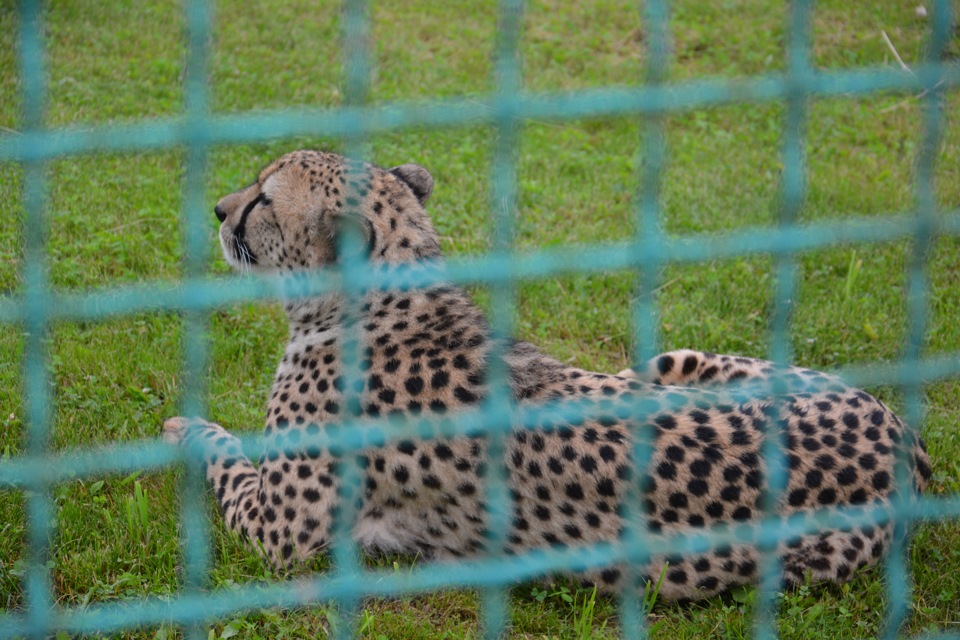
174, 429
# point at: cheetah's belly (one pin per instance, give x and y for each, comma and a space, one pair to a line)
412, 529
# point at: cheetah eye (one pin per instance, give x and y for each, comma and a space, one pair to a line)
261, 198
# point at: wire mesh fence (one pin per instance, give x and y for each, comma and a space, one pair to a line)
38, 305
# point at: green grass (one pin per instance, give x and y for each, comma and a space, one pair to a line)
114, 220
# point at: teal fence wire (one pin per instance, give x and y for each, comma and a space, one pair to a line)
38, 305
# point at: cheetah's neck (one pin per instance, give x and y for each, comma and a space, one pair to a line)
313, 315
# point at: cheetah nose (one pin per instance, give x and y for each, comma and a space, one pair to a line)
220, 213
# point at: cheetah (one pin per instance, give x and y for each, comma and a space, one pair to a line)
426, 352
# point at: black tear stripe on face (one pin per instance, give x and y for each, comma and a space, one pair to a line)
242, 247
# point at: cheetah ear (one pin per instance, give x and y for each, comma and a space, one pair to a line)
417, 178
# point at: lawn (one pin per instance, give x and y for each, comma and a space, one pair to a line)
114, 220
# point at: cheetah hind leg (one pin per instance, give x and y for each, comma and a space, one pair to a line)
834, 556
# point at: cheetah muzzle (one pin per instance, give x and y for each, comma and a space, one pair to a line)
425, 352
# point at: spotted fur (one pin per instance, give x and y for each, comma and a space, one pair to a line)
427, 351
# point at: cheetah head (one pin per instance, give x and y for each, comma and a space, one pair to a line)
289, 219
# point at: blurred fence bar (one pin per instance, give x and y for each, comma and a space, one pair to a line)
36, 305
